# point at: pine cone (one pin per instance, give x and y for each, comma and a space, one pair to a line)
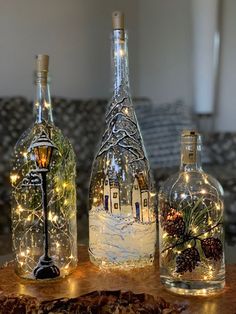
174, 223
212, 248
187, 260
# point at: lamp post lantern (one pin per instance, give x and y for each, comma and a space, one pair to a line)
42, 148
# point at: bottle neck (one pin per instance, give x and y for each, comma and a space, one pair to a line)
119, 60
42, 102
191, 155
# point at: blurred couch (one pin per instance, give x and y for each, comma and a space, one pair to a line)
83, 123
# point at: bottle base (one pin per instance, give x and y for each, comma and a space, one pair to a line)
194, 287
124, 265
29, 276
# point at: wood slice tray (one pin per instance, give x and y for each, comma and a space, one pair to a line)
89, 290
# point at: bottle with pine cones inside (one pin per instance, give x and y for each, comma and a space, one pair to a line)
191, 231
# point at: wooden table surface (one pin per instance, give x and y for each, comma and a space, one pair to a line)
88, 278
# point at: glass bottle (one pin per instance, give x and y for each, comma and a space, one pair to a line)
44, 229
122, 224
191, 231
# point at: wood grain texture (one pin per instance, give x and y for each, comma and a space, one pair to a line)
88, 278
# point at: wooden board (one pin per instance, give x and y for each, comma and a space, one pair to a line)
88, 278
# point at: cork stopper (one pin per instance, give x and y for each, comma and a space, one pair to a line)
42, 62
118, 20
190, 133
190, 141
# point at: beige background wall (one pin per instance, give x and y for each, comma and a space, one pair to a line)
226, 112
165, 50
76, 35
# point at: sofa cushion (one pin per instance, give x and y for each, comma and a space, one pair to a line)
15, 117
161, 127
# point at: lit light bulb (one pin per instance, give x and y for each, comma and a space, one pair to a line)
186, 177
14, 178
55, 218
47, 105
20, 208
122, 52
50, 216
164, 235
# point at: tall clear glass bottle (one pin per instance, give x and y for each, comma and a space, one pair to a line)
191, 233
44, 229
122, 223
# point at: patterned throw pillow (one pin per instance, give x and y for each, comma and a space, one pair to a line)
161, 126
83, 123
15, 117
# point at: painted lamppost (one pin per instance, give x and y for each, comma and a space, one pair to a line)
42, 148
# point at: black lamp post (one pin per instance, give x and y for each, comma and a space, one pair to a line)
42, 148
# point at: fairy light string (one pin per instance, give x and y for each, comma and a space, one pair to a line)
27, 215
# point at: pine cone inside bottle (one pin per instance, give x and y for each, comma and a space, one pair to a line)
174, 224
187, 260
212, 248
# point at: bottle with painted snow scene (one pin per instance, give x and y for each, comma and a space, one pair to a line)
122, 222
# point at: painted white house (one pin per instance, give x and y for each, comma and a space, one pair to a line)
140, 199
111, 194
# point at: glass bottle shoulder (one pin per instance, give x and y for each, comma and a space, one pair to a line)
54, 133
22, 159
187, 182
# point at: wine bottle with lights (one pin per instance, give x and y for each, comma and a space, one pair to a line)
44, 229
191, 230
122, 223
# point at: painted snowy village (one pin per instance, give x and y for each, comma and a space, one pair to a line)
139, 207
121, 219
